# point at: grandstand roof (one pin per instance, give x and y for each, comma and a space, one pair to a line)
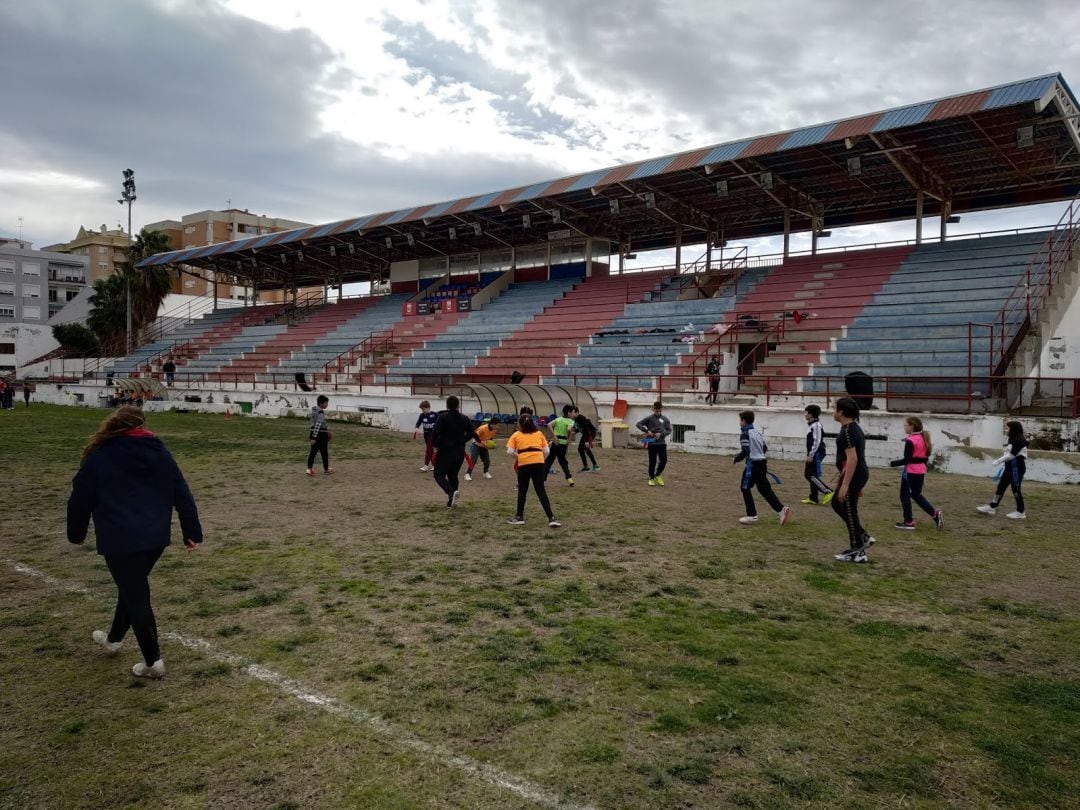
974, 150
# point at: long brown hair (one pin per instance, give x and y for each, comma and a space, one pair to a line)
917, 427
124, 419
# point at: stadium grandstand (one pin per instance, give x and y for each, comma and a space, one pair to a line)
532, 280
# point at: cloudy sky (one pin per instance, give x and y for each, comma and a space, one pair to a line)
321, 110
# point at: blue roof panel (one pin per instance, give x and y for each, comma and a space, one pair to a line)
532, 191
807, 137
483, 202
904, 117
651, 167
587, 180
1019, 92
727, 151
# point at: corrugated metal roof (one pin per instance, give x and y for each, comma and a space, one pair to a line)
904, 117
806, 137
1019, 92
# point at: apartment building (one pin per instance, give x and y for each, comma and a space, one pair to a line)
34, 286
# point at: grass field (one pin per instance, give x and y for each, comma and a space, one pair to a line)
652, 653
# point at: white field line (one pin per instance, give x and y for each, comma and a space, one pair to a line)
331, 705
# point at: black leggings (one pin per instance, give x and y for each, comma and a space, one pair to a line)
657, 459
758, 476
447, 466
848, 510
131, 574
478, 452
558, 453
584, 450
322, 447
534, 473
911, 485
1012, 476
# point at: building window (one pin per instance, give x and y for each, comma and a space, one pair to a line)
7, 288
32, 313
53, 296
7, 267
7, 311
103, 250
7, 348
31, 269
31, 291
103, 265
71, 294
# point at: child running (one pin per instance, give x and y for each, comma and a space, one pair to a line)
656, 427
586, 432
451, 433
1015, 461
917, 449
485, 439
562, 429
815, 454
530, 448
853, 475
426, 422
319, 437
752, 450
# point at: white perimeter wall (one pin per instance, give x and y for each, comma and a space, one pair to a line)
962, 444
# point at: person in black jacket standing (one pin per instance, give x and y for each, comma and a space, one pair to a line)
130, 484
451, 433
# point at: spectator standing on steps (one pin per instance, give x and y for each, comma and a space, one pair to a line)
169, 367
451, 433
130, 484
656, 428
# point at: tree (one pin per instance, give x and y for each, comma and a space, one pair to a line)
76, 340
108, 311
149, 287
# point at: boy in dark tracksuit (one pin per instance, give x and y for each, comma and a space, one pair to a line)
815, 454
656, 427
752, 450
319, 435
586, 430
451, 433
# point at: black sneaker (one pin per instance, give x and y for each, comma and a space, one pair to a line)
553, 523
856, 556
906, 526
867, 541
843, 555
516, 521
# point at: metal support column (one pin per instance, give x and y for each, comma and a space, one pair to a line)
918, 216
678, 249
787, 231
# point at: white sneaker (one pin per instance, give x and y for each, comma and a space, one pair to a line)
424, 468
455, 498
102, 638
468, 476
1017, 515
784, 515
986, 509
487, 475
748, 519
141, 670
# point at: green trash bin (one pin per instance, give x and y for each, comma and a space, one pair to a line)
245, 407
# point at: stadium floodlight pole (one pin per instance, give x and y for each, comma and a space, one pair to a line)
128, 196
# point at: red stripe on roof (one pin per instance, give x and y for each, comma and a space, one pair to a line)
853, 127
763, 146
687, 161
379, 220
277, 237
507, 196
961, 105
617, 175
461, 205
309, 232
344, 226
559, 186
417, 213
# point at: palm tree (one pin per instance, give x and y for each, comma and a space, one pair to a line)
149, 285
108, 310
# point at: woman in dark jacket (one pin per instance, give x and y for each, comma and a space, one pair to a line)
130, 484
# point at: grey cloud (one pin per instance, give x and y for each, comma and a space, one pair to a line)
206, 106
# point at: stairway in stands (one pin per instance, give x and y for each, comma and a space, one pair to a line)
546, 339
